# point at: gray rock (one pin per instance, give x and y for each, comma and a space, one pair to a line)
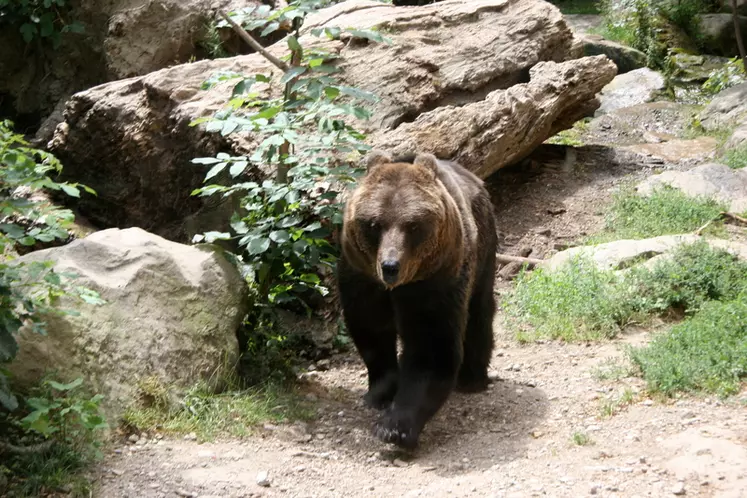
738, 138
741, 7
621, 254
629, 89
171, 312
713, 180
625, 58
728, 108
717, 34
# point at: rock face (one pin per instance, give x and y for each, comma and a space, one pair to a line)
122, 38
629, 89
130, 139
622, 254
172, 312
713, 180
718, 35
625, 58
726, 109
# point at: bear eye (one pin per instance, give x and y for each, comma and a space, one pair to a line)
412, 227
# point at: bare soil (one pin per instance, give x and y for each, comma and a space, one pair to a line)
514, 440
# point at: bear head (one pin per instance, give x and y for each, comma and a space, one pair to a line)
401, 224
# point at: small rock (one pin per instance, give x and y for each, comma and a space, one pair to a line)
185, 494
263, 479
399, 463
678, 489
594, 489
190, 437
117, 472
493, 376
134, 438
323, 365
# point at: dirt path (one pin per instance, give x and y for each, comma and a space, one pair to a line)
517, 439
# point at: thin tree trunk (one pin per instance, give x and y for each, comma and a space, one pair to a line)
738, 34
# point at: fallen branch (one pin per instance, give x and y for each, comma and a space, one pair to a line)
721, 215
254, 43
507, 258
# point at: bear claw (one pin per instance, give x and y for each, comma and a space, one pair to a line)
392, 429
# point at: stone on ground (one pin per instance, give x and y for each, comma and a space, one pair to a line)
621, 254
728, 108
713, 180
629, 89
717, 34
172, 313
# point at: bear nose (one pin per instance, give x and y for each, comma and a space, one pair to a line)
390, 270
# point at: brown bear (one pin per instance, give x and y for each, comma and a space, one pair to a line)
418, 262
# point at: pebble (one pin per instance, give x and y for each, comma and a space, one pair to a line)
263, 479
190, 437
594, 489
678, 489
399, 463
185, 494
134, 438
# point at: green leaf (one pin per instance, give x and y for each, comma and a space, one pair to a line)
258, 245
70, 190
310, 278
215, 170
300, 246
7, 400
326, 68
293, 43
270, 28
358, 93
280, 236
237, 168
331, 92
292, 73
65, 387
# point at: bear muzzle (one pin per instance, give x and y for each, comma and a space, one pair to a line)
390, 271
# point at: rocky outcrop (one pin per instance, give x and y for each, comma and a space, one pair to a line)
131, 141
506, 126
717, 34
171, 312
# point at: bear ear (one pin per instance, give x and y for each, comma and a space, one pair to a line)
428, 161
376, 157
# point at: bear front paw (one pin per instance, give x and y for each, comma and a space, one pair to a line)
397, 428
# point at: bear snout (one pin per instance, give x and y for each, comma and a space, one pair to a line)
390, 271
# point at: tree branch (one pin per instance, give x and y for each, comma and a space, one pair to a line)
254, 43
506, 258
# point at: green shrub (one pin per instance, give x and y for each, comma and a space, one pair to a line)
576, 302
39, 19
582, 302
736, 158
666, 211
731, 74
706, 352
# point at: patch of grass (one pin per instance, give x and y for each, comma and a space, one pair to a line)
208, 414
707, 352
695, 274
666, 211
581, 302
59, 469
613, 369
582, 439
695, 129
572, 136
576, 302
609, 407
735, 158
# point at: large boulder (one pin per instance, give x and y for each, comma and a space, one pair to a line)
728, 108
131, 140
741, 7
717, 33
171, 312
712, 180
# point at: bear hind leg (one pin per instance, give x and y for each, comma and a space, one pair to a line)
478, 340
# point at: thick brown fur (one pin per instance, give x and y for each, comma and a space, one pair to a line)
418, 262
